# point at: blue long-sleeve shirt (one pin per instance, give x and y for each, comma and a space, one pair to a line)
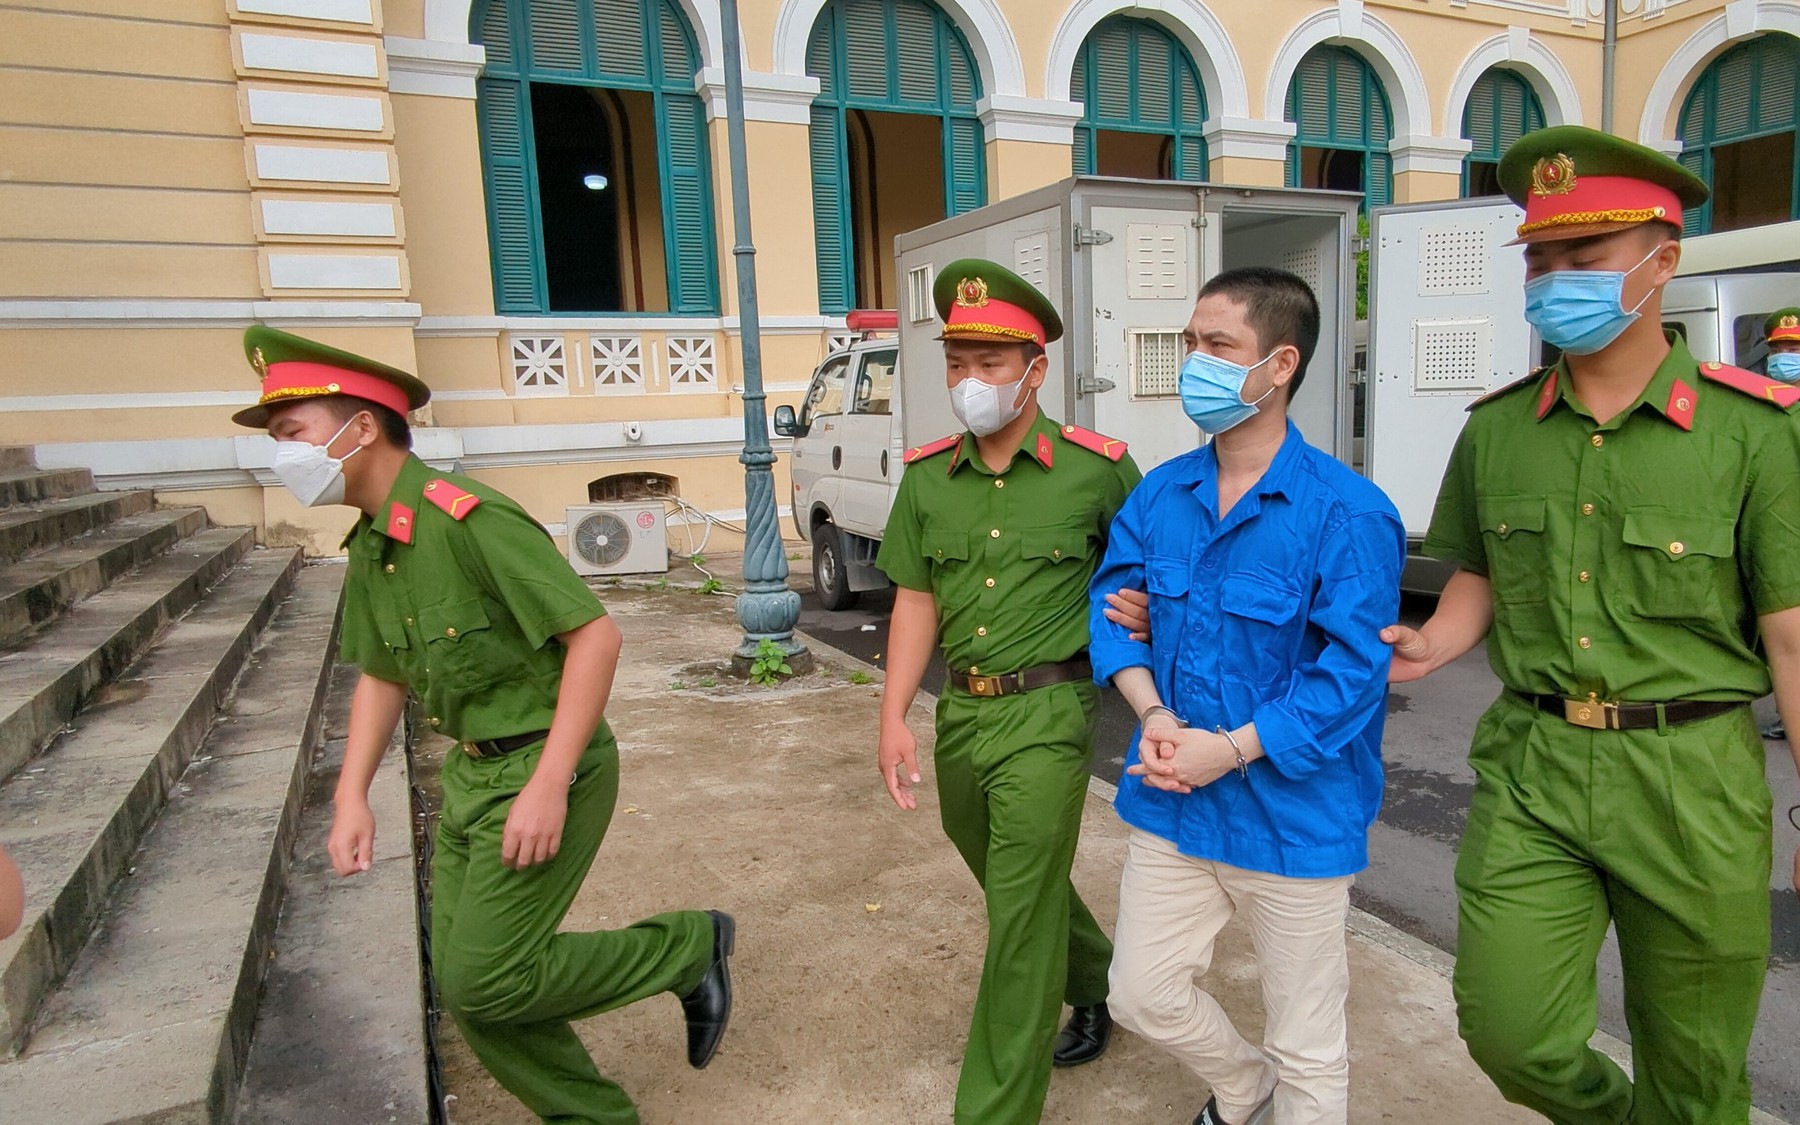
1273, 616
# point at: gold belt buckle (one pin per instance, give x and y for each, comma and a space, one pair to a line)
984, 685
471, 750
1592, 713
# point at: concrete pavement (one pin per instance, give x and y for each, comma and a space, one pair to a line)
860, 933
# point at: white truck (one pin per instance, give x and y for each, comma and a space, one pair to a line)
1447, 325
1122, 260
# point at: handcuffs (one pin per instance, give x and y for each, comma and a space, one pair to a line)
1243, 766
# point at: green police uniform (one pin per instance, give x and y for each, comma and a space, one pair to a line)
454, 591
1628, 561
1007, 556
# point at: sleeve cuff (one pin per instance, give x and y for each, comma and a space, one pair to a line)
1288, 744
1110, 657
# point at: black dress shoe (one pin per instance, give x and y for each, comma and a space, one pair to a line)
1083, 1039
708, 1007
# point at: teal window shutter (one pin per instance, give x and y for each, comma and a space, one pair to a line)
687, 208
1502, 107
1751, 91
965, 165
1133, 76
1336, 101
511, 196
831, 221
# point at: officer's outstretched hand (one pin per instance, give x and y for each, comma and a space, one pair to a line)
1412, 654
534, 825
351, 844
898, 758
1131, 610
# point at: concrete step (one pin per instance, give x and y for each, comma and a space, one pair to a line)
74, 818
38, 588
340, 1034
29, 486
153, 1023
42, 685
27, 529
17, 457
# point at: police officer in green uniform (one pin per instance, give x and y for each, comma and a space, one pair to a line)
455, 594
1626, 524
990, 545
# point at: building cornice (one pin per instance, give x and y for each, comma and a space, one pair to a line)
109, 313
433, 68
1248, 138
1039, 120
781, 98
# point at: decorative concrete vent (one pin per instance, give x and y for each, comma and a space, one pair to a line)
693, 363
540, 365
617, 363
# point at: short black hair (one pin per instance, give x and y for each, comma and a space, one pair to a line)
1664, 230
1279, 307
1032, 350
390, 422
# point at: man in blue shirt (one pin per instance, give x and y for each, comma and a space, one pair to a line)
1271, 568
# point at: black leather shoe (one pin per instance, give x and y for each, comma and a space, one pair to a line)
1083, 1039
708, 1007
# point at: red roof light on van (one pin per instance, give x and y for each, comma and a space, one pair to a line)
872, 320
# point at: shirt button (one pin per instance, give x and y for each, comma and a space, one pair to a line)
1598, 441
990, 583
998, 483
409, 621
1587, 509
994, 534
1056, 553
981, 632
1677, 548
450, 632
1586, 642
1584, 576
940, 554
389, 568
433, 720
974, 671
1501, 529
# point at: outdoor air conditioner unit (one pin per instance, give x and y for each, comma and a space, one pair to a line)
618, 538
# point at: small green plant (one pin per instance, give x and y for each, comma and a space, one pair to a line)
661, 583
697, 561
858, 676
711, 586
769, 664
708, 682
677, 685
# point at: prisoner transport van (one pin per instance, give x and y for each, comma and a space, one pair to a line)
1122, 260
1447, 325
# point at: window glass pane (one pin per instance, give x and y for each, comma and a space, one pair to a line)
1751, 346
1753, 182
826, 395
875, 384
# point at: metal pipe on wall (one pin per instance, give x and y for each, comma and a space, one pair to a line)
1609, 49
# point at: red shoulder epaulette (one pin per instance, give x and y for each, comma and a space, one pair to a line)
1110, 448
458, 502
1506, 390
919, 452
1783, 395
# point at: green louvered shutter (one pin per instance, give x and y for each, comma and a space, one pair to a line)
1378, 175
621, 42
1084, 132
965, 166
917, 46
959, 67
831, 223
556, 38
687, 212
497, 38
512, 197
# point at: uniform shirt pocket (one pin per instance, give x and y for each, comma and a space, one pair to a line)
1512, 533
1676, 560
459, 643
1055, 544
1257, 618
944, 547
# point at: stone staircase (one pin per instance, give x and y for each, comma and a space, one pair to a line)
163, 701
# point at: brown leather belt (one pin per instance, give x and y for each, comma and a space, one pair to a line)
1012, 683
501, 747
1600, 714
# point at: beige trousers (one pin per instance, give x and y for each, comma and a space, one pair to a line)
1171, 909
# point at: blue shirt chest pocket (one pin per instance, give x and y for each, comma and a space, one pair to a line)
1259, 624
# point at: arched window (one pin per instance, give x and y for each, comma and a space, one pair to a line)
1143, 104
1738, 134
1344, 126
594, 148
1502, 107
896, 144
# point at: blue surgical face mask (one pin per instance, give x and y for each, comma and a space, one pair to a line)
1212, 391
1581, 311
1785, 366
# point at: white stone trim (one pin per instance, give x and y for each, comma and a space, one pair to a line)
780, 98
432, 68
982, 23
308, 217
1429, 154
292, 110
337, 11
1190, 21
293, 54
1392, 60
447, 21
310, 164
450, 327
204, 314
1740, 20
1519, 51
179, 400
333, 271
1041, 120
1248, 138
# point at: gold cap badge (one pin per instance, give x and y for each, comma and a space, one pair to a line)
972, 292
1789, 321
1553, 175
257, 361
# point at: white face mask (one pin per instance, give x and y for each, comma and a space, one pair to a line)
985, 408
310, 472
